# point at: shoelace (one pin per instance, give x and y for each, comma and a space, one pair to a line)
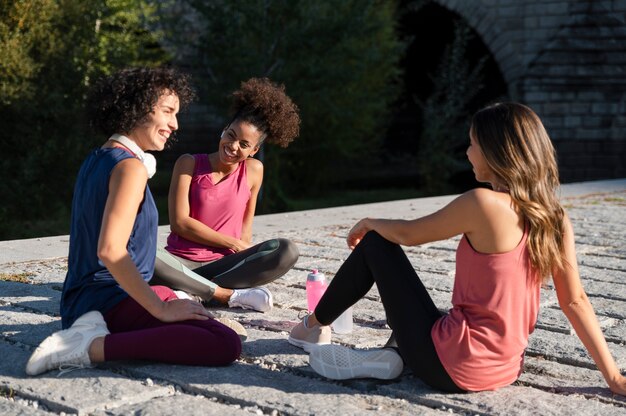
68, 368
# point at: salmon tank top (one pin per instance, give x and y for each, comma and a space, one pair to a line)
220, 206
495, 302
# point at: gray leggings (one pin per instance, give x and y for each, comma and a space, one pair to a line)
255, 266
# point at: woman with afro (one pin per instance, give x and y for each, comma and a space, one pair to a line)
212, 201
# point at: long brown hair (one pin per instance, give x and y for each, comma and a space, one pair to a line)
517, 148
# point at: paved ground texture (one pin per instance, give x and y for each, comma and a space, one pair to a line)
273, 377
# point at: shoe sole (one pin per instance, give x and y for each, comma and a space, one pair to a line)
382, 364
235, 326
306, 346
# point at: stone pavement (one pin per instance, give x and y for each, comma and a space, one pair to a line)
273, 377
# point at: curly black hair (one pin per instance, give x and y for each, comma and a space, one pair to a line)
265, 105
120, 102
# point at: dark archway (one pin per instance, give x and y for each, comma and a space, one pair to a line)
428, 28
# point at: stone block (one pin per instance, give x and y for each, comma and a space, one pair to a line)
531, 22
572, 121
536, 97
549, 375
182, 404
556, 108
597, 122
604, 108
509, 11
590, 96
82, 391
580, 108
282, 390
591, 134
550, 21
20, 406
564, 96
560, 8
518, 400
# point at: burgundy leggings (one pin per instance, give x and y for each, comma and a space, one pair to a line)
137, 335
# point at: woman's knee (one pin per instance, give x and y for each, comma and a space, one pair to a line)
232, 347
284, 251
225, 349
372, 238
289, 251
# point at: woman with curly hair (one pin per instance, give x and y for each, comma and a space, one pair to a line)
212, 200
514, 236
109, 311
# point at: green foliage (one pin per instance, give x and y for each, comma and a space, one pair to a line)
17, 39
126, 36
337, 59
54, 48
446, 115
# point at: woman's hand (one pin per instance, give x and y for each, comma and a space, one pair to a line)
357, 233
237, 245
618, 385
182, 310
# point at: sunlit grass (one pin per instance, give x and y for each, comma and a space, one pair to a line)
16, 277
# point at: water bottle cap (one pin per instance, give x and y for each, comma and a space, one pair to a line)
315, 276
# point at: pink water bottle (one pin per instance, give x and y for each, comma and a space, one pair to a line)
315, 288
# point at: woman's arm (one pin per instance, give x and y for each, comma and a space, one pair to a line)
462, 215
254, 168
126, 191
578, 310
179, 210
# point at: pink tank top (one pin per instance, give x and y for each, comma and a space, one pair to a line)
495, 302
219, 206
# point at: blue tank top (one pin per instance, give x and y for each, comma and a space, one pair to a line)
88, 284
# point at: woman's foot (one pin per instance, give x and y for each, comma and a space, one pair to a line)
308, 335
340, 363
181, 294
70, 347
256, 298
234, 325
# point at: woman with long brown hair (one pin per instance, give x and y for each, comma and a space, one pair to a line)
514, 236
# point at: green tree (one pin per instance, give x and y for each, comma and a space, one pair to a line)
337, 59
52, 49
446, 114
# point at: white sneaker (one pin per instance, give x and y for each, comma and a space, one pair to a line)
340, 363
69, 347
256, 298
181, 294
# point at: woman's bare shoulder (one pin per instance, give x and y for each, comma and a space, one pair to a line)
254, 166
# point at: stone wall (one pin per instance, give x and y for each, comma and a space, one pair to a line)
567, 60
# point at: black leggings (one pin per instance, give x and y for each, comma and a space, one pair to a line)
410, 311
255, 266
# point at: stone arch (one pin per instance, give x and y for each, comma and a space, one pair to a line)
494, 37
